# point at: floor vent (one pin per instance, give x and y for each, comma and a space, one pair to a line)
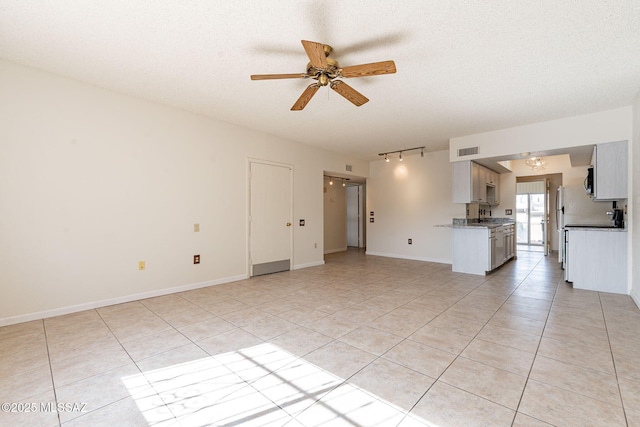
467, 151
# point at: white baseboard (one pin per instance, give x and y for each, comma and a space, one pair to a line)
636, 298
112, 301
389, 255
333, 251
307, 265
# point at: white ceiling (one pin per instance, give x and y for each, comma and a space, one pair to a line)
463, 66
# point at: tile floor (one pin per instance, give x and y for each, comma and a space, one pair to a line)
362, 340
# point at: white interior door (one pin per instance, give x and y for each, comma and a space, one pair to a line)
270, 218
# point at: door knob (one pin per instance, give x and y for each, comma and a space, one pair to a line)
288, 224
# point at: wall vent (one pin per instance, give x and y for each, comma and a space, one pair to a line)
349, 168
467, 151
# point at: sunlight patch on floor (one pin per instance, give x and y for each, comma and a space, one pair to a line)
261, 385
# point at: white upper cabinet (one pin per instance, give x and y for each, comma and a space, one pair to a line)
462, 182
473, 183
610, 171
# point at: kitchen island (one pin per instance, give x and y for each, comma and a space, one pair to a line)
482, 246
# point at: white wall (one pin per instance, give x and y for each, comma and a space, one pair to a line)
91, 182
335, 217
634, 203
595, 128
408, 198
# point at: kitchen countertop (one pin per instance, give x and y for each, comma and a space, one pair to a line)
487, 223
594, 227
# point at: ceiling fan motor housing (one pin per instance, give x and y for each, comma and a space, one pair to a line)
324, 76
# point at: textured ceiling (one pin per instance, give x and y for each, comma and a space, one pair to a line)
463, 66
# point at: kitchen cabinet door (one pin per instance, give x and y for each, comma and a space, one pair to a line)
462, 188
597, 260
509, 242
610, 170
479, 183
469, 183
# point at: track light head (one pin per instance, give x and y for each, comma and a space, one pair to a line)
386, 155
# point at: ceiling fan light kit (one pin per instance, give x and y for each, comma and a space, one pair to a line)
326, 71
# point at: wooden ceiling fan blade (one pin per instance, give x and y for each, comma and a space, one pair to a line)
352, 95
373, 69
315, 52
277, 76
305, 97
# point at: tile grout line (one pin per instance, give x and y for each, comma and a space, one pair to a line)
613, 360
53, 381
555, 293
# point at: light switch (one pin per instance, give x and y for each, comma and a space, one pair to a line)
196, 228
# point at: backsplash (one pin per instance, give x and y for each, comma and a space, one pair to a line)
478, 211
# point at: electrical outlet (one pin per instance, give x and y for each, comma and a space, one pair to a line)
196, 259
410, 241
315, 245
141, 265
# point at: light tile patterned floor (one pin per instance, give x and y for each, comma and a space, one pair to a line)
362, 340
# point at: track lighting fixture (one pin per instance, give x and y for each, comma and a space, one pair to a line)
386, 155
331, 178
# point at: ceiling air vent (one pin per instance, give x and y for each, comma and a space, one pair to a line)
467, 151
349, 168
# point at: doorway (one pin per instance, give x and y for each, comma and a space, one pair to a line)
529, 217
270, 218
355, 215
532, 213
344, 212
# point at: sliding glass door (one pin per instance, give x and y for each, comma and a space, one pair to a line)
530, 214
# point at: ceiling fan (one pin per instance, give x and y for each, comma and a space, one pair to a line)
326, 71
